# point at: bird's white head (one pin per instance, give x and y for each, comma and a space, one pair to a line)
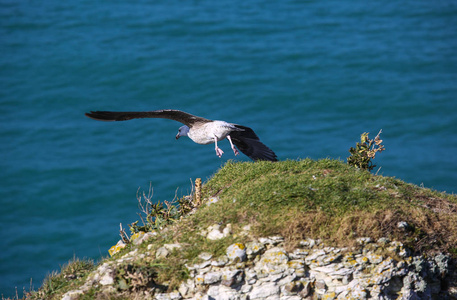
183, 131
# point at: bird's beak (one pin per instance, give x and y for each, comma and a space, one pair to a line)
178, 136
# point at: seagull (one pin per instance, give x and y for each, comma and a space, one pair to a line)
200, 130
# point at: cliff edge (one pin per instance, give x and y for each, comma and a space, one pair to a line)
286, 230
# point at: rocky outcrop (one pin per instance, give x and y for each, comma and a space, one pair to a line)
318, 272
263, 269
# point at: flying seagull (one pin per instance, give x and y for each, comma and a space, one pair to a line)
200, 130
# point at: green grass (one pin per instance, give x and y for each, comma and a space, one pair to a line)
325, 199
71, 276
330, 200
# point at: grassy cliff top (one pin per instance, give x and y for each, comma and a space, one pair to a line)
325, 199
330, 200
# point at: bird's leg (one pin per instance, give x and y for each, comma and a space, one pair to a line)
233, 146
219, 151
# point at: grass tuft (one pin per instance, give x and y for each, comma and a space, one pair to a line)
71, 276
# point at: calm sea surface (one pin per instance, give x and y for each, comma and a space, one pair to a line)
308, 76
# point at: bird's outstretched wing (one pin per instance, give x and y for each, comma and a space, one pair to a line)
248, 143
177, 115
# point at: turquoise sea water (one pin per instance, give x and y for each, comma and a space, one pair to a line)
308, 76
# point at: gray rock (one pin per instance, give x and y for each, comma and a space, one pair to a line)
293, 287
72, 295
232, 277
105, 274
314, 256
308, 243
364, 240
262, 270
212, 277
221, 292
203, 265
263, 291
275, 256
250, 276
299, 254
215, 233
145, 237
306, 290
442, 261
274, 277
246, 289
236, 252
287, 279
162, 252
186, 288
171, 247
320, 285
205, 256
272, 240
168, 296
253, 249
220, 262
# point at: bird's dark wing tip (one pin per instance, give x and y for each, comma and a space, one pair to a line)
266, 156
101, 115
249, 143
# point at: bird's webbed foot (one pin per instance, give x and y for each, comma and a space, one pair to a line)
219, 151
235, 151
